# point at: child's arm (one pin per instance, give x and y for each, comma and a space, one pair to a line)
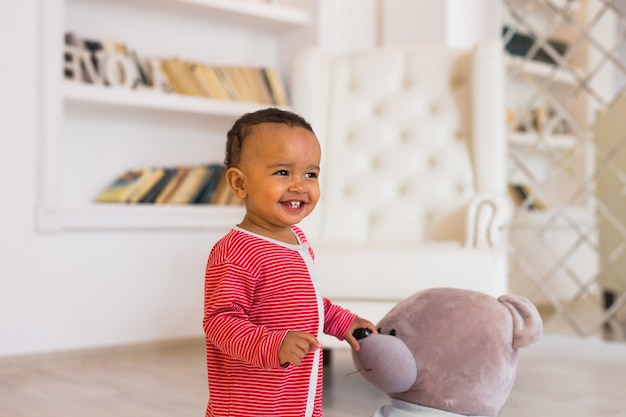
230, 330
228, 296
341, 323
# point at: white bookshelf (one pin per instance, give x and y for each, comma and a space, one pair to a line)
541, 70
541, 141
140, 217
154, 100
269, 16
90, 134
563, 219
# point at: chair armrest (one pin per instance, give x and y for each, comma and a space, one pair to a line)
487, 222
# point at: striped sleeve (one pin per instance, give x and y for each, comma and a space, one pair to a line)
337, 320
226, 321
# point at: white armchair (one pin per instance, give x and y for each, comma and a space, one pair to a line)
413, 172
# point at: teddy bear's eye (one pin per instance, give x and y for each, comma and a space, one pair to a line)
379, 330
393, 332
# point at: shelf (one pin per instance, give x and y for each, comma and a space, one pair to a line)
272, 17
541, 141
155, 100
139, 217
541, 70
532, 219
571, 5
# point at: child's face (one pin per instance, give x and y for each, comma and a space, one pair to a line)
279, 169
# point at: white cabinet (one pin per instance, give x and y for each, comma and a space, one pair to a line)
89, 134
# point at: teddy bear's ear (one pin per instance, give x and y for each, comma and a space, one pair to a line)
527, 323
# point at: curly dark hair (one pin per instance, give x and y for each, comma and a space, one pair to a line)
243, 126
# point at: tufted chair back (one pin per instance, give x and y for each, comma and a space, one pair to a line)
413, 169
409, 137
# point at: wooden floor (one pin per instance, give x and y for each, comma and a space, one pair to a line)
561, 376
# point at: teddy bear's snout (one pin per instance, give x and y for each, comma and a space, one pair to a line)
385, 361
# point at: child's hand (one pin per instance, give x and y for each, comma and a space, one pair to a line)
295, 346
358, 323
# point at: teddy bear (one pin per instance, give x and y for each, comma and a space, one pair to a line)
447, 352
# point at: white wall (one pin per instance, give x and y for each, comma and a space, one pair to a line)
455, 23
346, 26
351, 25
78, 290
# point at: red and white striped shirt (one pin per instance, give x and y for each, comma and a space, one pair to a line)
257, 289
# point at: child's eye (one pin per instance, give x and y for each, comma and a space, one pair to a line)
311, 175
281, 172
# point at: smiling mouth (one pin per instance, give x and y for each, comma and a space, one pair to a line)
294, 205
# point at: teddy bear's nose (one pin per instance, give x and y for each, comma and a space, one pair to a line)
361, 333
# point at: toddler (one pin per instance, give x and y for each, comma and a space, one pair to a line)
263, 311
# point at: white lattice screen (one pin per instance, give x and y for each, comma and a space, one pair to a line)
567, 160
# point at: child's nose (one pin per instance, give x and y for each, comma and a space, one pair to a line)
297, 185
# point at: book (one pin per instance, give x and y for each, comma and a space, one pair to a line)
169, 189
522, 196
206, 193
148, 180
226, 80
521, 44
179, 74
276, 86
239, 82
191, 185
192, 85
263, 92
248, 85
209, 82
120, 190
152, 194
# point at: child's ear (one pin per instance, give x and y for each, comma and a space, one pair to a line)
235, 180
